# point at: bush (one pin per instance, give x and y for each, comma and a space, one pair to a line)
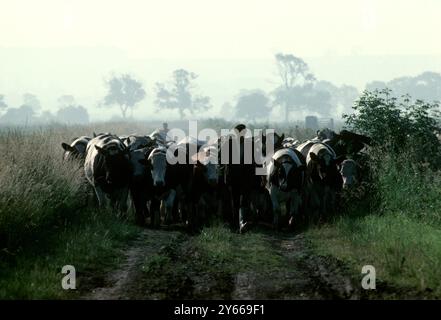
398, 126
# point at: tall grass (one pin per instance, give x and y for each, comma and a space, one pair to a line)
401, 234
36, 188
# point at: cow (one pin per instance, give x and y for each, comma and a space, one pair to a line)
285, 182
349, 172
107, 168
290, 142
239, 176
345, 143
76, 149
323, 178
157, 163
325, 134
141, 183
204, 185
181, 177
134, 142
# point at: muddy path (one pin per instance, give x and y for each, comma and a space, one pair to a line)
164, 264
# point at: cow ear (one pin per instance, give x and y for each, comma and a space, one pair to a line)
67, 147
94, 134
282, 137
313, 156
101, 150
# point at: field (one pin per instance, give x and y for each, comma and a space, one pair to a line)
48, 219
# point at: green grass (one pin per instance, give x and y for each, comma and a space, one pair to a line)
401, 237
217, 249
404, 252
46, 219
234, 253
92, 246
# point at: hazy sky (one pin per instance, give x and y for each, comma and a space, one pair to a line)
226, 28
68, 46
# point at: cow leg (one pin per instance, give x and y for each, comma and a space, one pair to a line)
155, 213
168, 202
244, 212
140, 206
295, 202
235, 197
119, 201
101, 196
274, 194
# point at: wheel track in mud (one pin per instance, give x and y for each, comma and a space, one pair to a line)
303, 276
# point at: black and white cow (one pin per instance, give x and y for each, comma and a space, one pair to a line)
107, 168
76, 149
157, 163
135, 142
285, 183
204, 185
323, 177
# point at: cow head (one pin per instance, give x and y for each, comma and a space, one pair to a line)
139, 164
349, 171
75, 150
116, 163
70, 152
324, 168
287, 173
158, 166
206, 161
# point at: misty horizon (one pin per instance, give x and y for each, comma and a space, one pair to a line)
81, 71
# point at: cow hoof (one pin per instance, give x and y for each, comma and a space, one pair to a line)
291, 223
244, 227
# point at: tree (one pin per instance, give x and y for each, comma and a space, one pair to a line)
341, 98
3, 104
295, 77
73, 114
179, 95
66, 101
125, 92
252, 104
70, 111
22, 115
31, 100
426, 86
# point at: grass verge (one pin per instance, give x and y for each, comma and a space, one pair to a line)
405, 252
93, 246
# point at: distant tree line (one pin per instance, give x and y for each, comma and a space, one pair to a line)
29, 112
297, 92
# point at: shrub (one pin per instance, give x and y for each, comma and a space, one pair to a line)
398, 125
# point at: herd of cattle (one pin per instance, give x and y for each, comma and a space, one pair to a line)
306, 178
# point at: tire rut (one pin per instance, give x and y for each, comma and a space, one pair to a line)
303, 275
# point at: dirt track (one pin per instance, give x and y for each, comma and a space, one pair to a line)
176, 273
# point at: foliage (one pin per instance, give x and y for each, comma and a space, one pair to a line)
398, 125
425, 86
124, 91
179, 96
252, 104
30, 100
18, 116
300, 91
